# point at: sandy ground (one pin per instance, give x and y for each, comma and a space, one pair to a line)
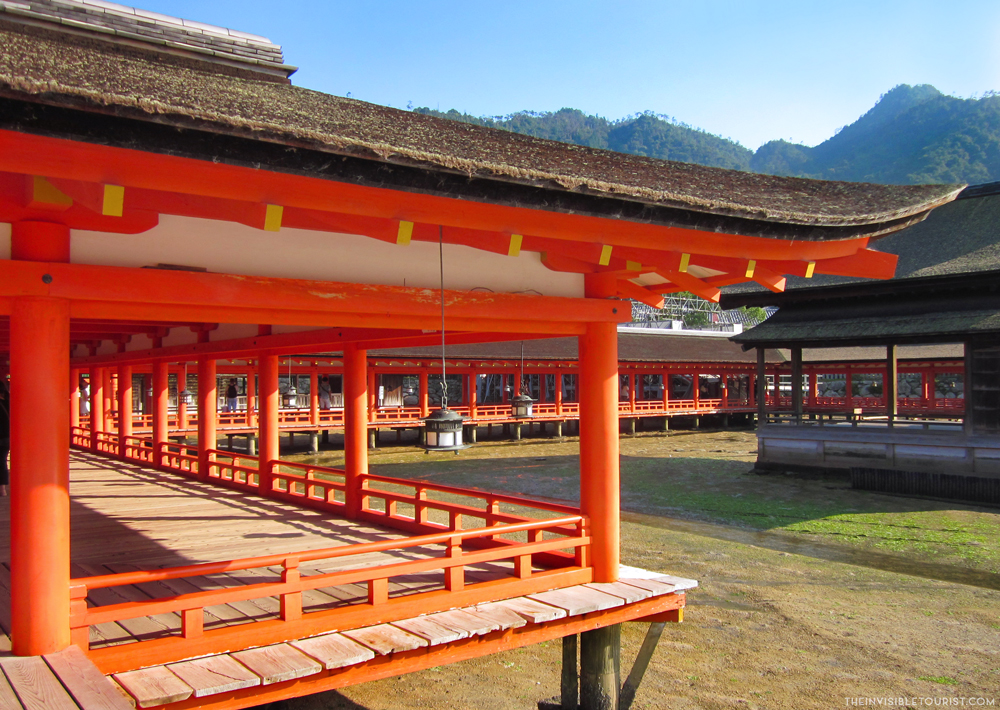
766, 628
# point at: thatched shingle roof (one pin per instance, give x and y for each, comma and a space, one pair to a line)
87, 74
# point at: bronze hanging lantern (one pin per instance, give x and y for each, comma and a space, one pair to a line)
444, 427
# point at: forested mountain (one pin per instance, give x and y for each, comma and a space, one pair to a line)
914, 134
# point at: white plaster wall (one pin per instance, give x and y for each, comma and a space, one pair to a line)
293, 253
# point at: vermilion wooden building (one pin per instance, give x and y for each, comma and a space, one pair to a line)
171, 195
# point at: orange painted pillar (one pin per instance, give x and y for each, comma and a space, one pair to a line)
559, 393
372, 393
161, 400
355, 426
269, 401
124, 408
473, 393
599, 474
425, 408
39, 444
96, 405
633, 385
208, 404
251, 397
109, 400
314, 395
74, 397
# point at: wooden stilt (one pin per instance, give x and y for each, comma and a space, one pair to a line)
600, 668
570, 681
641, 662
314, 442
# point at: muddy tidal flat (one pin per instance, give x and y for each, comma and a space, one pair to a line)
812, 595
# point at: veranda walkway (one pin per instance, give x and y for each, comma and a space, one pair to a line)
126, 517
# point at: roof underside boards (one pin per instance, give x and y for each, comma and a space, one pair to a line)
632, 347
84, 74
937, 351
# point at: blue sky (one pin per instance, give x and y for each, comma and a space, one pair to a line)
750, 71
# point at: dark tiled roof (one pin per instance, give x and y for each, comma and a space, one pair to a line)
89, 76
131, 25
632, 347
933, 317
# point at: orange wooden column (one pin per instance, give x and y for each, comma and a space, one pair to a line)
208, 403
314, 395
124, 407
269, 400
355, 426
182, 406
109, 400
251, 397
39, 513
425, 408
161, 400
473, 394
96, 405
74, 397
372, 393
599, 474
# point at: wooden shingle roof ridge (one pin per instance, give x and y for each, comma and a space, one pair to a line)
85, 75
131, 26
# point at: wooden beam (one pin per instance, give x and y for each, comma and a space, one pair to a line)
60, 158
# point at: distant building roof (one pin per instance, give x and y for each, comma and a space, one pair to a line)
402, 150
961, 237
141, 28
651, 347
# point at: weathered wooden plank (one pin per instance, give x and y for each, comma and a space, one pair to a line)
89, 687
4, 644
277, 663
35, 685
657, 588
8, 699
535, 612
470, 624
428, 628
578, 600
497, 613
214, 674
154, 686
680, 583
334, 650
385, 638
628, 592
124, 693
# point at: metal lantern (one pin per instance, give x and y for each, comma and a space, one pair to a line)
443, 428
184, 397
443, 431
291, 397
521, 406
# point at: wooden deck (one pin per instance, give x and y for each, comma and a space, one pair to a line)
126, 517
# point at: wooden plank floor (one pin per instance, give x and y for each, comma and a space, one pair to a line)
211, 675
124, 517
